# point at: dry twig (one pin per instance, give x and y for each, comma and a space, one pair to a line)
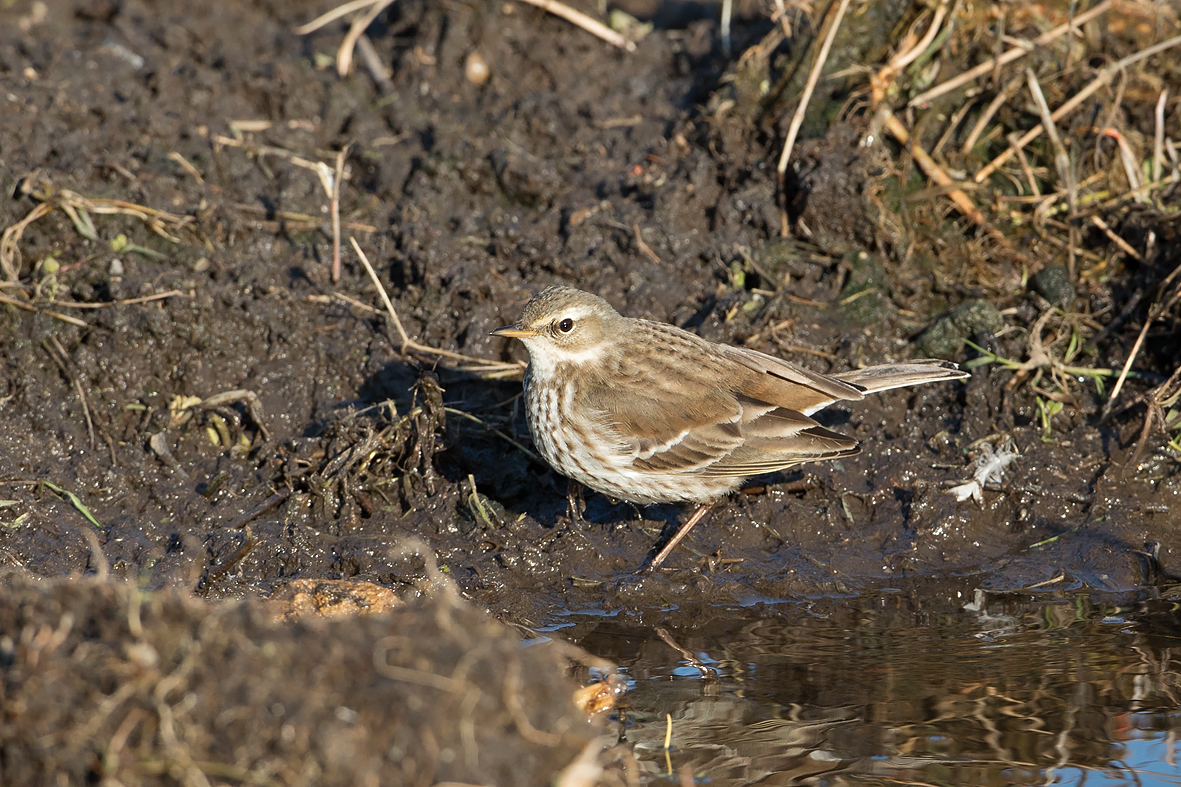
344, 55
1127, 158
645, 249
908, 52
1061, 157
1116, 239
798, 119
78, 208
1167, 394
511, 441
1010, 55
592, 26
300, 220
1075, 101
1008, 91
489, 369
187, 167
331, 180
1158, 136
54, 350
880, 83
125, 302
1164, 302
373, 62
335, 198
331, 16
369, 9
31, 308
936, 173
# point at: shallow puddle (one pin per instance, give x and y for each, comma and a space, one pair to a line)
994, 690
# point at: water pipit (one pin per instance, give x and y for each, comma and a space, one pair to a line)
646, 412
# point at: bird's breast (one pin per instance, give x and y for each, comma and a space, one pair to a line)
579, 441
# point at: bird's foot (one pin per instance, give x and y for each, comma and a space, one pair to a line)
575, 505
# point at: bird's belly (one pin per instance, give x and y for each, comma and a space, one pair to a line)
580, 448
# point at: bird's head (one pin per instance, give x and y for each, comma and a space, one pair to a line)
564, 325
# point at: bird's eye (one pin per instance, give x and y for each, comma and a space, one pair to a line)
566, 325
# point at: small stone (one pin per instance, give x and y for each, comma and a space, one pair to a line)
977, 317
947, 334
1053, 283
476, 69
942, 340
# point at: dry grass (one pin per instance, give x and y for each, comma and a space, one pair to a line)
1004, 140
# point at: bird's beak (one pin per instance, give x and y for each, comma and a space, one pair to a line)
514, 331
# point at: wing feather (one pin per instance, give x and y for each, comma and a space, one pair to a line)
787, 385
780, 439
696, 449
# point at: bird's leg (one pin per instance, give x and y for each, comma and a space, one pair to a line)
575, 504
663, 554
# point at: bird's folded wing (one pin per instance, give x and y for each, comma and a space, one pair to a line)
786, 385
778, 439
691, 450
662, 430
754, 438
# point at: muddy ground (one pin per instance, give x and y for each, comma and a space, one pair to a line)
647, 178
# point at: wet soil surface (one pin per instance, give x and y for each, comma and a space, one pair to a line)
647, 178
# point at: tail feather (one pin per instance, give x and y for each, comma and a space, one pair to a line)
900, 375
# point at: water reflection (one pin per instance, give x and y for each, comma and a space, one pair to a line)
999, 691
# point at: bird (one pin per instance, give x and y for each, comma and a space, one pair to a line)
647, 412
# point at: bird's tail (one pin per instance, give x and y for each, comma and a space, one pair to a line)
901, 375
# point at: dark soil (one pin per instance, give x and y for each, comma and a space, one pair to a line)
648, 178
